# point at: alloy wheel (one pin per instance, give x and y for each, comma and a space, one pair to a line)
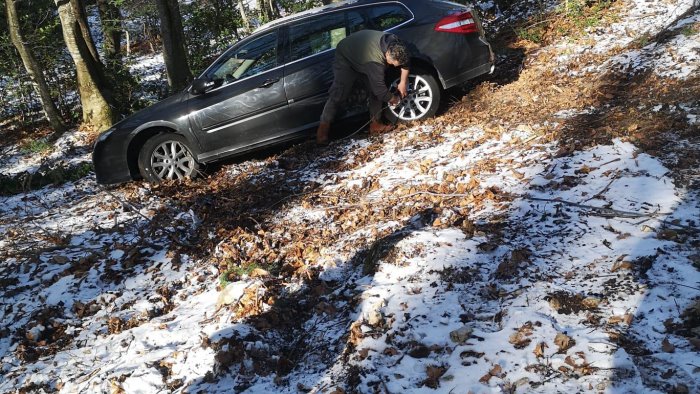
417, 102
172, 160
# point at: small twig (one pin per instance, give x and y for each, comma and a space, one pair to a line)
449, 195
90, 376
677, 284
288, 197
541, 22
605, 164
678, 308
605, 189
555, 375
256, 222
128, 205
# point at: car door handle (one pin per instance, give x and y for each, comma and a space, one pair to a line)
269, 82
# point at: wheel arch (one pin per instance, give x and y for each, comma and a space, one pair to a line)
419, 63
149, 130
137, 142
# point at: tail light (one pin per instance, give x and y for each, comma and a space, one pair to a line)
461, 23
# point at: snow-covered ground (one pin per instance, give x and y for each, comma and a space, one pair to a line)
527, 271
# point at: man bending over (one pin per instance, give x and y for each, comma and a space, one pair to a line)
365, 54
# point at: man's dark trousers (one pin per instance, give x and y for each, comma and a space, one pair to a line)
343, 81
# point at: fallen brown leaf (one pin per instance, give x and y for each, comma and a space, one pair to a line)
667, 346
520, 338
622, 265
626, 318
563, 342
434, 375
539, 349
495, 371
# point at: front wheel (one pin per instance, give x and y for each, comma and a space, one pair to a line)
421, 102
166, 156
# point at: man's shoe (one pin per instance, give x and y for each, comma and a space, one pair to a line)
322, 133
376, 128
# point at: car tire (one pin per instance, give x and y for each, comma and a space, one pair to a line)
422, 101
167, 156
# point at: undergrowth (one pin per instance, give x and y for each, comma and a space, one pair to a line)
571, 18
40, 145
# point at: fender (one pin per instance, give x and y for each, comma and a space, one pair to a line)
164, 125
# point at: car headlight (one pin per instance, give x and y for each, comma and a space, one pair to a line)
105, 135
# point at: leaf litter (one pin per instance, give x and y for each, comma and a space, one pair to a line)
497, 247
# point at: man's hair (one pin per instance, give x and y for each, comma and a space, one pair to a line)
399, 52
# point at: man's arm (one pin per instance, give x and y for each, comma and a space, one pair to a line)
377, 85
403, 83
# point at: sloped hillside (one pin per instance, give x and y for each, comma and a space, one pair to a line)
540, 235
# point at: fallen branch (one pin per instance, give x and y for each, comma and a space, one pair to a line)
604, 212
677, 284
610, 213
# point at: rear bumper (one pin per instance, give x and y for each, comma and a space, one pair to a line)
467, 75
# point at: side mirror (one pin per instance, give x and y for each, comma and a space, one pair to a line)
203, 85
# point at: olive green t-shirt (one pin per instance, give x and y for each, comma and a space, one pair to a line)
364, 52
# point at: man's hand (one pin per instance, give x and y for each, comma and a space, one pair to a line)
402, 88
395, 99
403, 83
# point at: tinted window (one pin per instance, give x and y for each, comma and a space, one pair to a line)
317, 35
356, 22
385, 17
250, 59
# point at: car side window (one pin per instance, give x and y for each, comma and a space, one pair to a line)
385, 17
250, 59
317, 35
356, 22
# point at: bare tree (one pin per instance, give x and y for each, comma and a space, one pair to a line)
94, 97
34, 69
174, 53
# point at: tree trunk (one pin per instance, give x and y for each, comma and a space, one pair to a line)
111, 27
174, 53
265, 11
34, 69
274, 12
95, 99
81, 16
244, 16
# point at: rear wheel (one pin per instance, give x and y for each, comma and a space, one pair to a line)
167, 157
421, 102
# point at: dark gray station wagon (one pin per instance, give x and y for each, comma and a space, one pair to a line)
271, 87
